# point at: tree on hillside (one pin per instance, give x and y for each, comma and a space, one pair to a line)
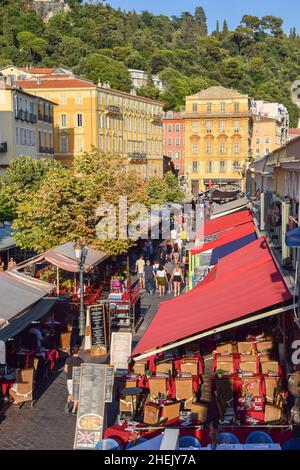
225, 29
201, 21
98, 67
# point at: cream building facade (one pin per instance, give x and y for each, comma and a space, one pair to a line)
26, 125
218, 130
115, 122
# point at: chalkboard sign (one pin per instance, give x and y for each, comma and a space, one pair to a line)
98, 330
120, 351
109, 384
90, 415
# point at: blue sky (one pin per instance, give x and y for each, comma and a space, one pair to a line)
231, 10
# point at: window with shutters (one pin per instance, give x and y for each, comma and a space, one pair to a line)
208, 126
63, 120
209, 167
223, 107
195, 167
195, 107
236, 107
222, 167
177, 128
236, 126
222, 126
170, 127
78, 99
236, 147
208, 147
222, 147
209, 107
195, 148
63, 144
169, 141
177, 141
79, 120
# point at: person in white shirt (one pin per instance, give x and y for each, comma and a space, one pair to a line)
173, 234
38, 334
161, 280
139, 269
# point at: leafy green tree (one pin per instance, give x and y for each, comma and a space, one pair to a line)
201, 21
99, 67
36, 47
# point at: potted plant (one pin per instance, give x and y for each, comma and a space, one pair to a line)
220, 373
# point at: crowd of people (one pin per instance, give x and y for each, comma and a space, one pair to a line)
163, 270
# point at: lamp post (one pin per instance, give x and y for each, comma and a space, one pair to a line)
81, 252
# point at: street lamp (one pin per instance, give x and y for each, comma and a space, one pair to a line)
81, 252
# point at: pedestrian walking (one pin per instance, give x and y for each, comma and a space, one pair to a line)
72, 361
176, 253
177, 277
169, 245
169, 266
149, 278
161, 280
139, 269
155, 269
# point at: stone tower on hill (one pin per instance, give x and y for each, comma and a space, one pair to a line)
48, 8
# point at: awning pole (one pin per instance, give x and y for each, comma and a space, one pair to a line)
214, 331
57, 280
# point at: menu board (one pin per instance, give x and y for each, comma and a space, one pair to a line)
109, 384
90, 414
120, 351
98, 330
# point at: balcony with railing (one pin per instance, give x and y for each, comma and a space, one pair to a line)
3, 147
41, 116
113, 110
32, 118
137, 155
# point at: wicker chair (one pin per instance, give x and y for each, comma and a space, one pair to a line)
22, 391
65, 342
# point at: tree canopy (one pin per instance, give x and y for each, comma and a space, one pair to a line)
101, 42
50, 204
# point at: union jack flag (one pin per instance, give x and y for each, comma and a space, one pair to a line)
87, 438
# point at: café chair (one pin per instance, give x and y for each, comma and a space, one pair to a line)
108, 444
259, 437
65, 342
292, 444
22, 390
228, 438
186, 442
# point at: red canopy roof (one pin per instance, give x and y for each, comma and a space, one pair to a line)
226, 236
222, 223
247, 282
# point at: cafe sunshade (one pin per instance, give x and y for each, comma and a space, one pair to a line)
18, 292
222, 223
63, 256
243, 283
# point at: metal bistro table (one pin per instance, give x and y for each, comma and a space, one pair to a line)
131, 391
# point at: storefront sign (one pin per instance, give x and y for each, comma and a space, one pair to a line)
91, 409
120, 351
98, 329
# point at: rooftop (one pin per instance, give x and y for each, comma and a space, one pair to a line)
217, 92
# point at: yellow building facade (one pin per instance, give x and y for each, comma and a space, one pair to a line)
115, 122
267, 136
218, 130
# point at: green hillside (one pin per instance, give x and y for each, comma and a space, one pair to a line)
100, 42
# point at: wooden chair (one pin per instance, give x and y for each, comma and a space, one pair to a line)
65, 342
22, 391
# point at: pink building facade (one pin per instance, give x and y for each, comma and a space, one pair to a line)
173, 139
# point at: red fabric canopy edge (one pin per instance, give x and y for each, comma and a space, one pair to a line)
226, 236
228, 221
256, 285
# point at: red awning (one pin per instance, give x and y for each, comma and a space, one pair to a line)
222, 223
242, 288
226, 236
